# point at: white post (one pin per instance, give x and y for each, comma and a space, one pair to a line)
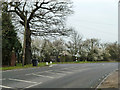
50, 62
47, 63
76, 59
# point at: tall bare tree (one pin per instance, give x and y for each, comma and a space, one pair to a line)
42, 18
75, 43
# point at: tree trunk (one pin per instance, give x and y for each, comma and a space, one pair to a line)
28, 53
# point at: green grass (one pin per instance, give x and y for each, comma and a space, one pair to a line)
19, 66
80, 62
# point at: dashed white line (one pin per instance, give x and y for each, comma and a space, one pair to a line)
55, 73
19, 80
50, 65
78, 70
42, 75
38, 72
29, 74
66, 72
3, 79
66, 68
48, 71
5, 86
33, 85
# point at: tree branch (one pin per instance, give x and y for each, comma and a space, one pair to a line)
20, 13
37, 7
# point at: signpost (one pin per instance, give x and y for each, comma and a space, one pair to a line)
77, 55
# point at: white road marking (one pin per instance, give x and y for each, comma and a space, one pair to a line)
104, 79
29, 74
3, 79
5, 86
50, 65
33, 85
19, 80
38, 72
66, 72
60, 72
69, 68
42, 75
48, 71
75, 69
55, 72
66, 68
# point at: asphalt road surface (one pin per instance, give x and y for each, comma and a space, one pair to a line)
87, 75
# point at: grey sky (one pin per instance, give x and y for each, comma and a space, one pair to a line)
95, 19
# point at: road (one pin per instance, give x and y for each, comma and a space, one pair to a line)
87, 75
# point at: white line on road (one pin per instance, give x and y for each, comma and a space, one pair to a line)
82, 69
69, 68
29, 74
38, 72
3, 79
66, 72
48, 71
33, 85
74, 68
19, 80
55, 72
104, 79
42, 75
66, 68
60, 72
53, 65
50, 65
79, 70
5, 86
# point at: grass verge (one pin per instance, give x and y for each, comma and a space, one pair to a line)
19, 66
80, 62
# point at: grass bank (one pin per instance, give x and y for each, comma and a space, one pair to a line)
19, 66
80, 62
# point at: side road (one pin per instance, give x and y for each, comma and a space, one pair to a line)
111, 81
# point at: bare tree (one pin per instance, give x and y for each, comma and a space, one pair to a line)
47, 50
75, 43
59, 47
91, 46
42, 18
36, 46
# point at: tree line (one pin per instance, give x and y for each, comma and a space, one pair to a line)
62, 50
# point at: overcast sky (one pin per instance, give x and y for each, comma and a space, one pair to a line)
95, 19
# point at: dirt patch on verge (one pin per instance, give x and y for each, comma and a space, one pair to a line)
111, 81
